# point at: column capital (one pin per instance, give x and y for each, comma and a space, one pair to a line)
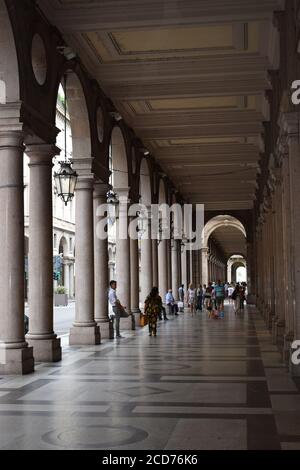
123, 194
10, 117
100, 190
85, 183
41, 153
11, 138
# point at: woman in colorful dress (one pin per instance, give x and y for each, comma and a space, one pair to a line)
153, 308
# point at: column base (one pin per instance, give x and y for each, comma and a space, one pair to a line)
128, 323
82, 335
136, 312
106, 330
46, 350
16, 361
251, 299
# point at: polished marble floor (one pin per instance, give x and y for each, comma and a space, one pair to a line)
200, 384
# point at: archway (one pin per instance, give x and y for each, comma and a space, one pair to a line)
9, 69
234, 263
223, 234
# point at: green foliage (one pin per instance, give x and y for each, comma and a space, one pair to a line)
60, 290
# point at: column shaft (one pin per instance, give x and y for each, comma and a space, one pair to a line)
101, 262
146, 263
162, 269
85, 329
134, 279
123, 258
175, 269
41, 334
15, 355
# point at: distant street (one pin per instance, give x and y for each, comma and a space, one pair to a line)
63, 318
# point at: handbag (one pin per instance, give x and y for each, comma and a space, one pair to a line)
123, 313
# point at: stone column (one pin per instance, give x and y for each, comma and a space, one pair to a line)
135, 279
146, 260
204, 256
72, 280
154, 263
184, 280
15, 355
123, 257
169, 261
162, 269
67, 277
191, 256
85, 329
41, 335
101, 262
291, 127
175, 269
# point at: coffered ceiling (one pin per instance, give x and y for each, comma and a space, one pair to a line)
190, 77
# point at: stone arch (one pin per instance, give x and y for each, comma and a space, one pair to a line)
79, 122
63, 246
213, 224
238, 260
162, 191
119, 161
145, 183
218, 222
235, 267
9, 67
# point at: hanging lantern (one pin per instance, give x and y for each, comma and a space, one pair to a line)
65, 182
113, 203
66, 178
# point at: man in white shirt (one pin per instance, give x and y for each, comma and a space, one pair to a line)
170, 302
116, 306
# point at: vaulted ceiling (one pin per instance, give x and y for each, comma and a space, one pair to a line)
232, 241
190, 77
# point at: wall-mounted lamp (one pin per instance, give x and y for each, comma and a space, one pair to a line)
116, 116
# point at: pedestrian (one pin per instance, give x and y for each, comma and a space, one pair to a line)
153, 307
117, 308
219, 291
242, 295
236, 298
170, 303
191, 298
230, 292
181, 293
199, 298
208, 297
181, 298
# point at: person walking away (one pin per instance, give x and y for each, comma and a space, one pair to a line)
199, 298
236, 298
116, 305
152, 308
220, 297
242, 296
207, 297
181, 298
230, 292
191, 298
